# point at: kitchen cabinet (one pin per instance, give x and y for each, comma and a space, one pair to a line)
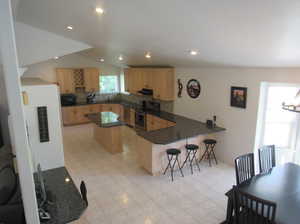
163, 88
156, 123
72, 80
65, 80
132, 118
76, 114
161, 80
91, 79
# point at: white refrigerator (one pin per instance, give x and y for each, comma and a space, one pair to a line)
43, 119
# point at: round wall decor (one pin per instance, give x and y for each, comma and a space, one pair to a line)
193, 88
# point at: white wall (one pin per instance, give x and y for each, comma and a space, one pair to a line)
35, 45
4, 111
215, 100
46, 70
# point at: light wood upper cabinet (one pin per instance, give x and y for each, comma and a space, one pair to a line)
161, 80
91, 79
65, 79
78, 79
163, 87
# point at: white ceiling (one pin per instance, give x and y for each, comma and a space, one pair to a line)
256, 33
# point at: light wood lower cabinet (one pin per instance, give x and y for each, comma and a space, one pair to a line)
76, 114
156, 123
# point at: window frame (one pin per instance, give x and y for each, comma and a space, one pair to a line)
118, 84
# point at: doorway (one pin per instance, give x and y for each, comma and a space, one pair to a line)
277, 126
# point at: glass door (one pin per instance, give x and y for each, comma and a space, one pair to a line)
280, 127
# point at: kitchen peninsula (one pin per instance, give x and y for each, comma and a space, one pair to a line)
151, 145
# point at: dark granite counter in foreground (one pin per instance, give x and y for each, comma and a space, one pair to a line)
67, 204
105, 119
184, 128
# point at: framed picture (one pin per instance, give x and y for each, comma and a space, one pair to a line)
238, 97
193, 88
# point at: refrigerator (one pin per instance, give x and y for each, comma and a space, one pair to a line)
43, 121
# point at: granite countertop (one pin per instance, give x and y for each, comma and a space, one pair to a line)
67, 204
184, 128
105, 119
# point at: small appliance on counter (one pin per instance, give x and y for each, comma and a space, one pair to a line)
68, 99
91, 98
146, 92
211, 123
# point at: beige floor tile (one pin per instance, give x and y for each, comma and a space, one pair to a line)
120, 192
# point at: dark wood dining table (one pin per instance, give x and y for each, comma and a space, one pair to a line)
282, 186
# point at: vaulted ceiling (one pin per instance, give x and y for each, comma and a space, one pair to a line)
252, 33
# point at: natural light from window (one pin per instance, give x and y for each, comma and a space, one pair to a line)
109, 84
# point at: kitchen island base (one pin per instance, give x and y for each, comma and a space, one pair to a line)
109, 138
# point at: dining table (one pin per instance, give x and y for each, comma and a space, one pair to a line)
281, 185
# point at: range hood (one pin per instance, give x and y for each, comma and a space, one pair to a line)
147, 92
293, 105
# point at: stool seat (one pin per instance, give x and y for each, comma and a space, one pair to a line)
191, 147
210, 141
173, 151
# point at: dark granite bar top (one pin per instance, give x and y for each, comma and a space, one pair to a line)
67, 204
105, 119
184, 128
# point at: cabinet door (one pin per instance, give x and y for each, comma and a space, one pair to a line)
163, 84
81, 111
65, 79
132, 117
148, 78
106, 107
150, 123
91, 79
94, 108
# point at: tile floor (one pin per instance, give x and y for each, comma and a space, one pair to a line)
120, 192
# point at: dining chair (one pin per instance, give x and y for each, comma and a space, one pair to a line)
267, 159
249, 209
244, 168
83, 192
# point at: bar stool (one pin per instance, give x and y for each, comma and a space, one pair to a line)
171, 153
209, 150
191, 156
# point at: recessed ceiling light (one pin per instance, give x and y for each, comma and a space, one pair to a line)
148, 55
56, 57
120, 58
70, 27
101, 60
99, 10
193, 52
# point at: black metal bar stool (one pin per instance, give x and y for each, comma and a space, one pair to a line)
191, 156
171, 153
209, 150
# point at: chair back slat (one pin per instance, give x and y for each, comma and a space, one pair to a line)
249, 209
244, 167
267, 158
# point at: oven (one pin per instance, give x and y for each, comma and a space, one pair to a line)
140, 119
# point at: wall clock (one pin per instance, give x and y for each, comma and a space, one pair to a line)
193, 88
